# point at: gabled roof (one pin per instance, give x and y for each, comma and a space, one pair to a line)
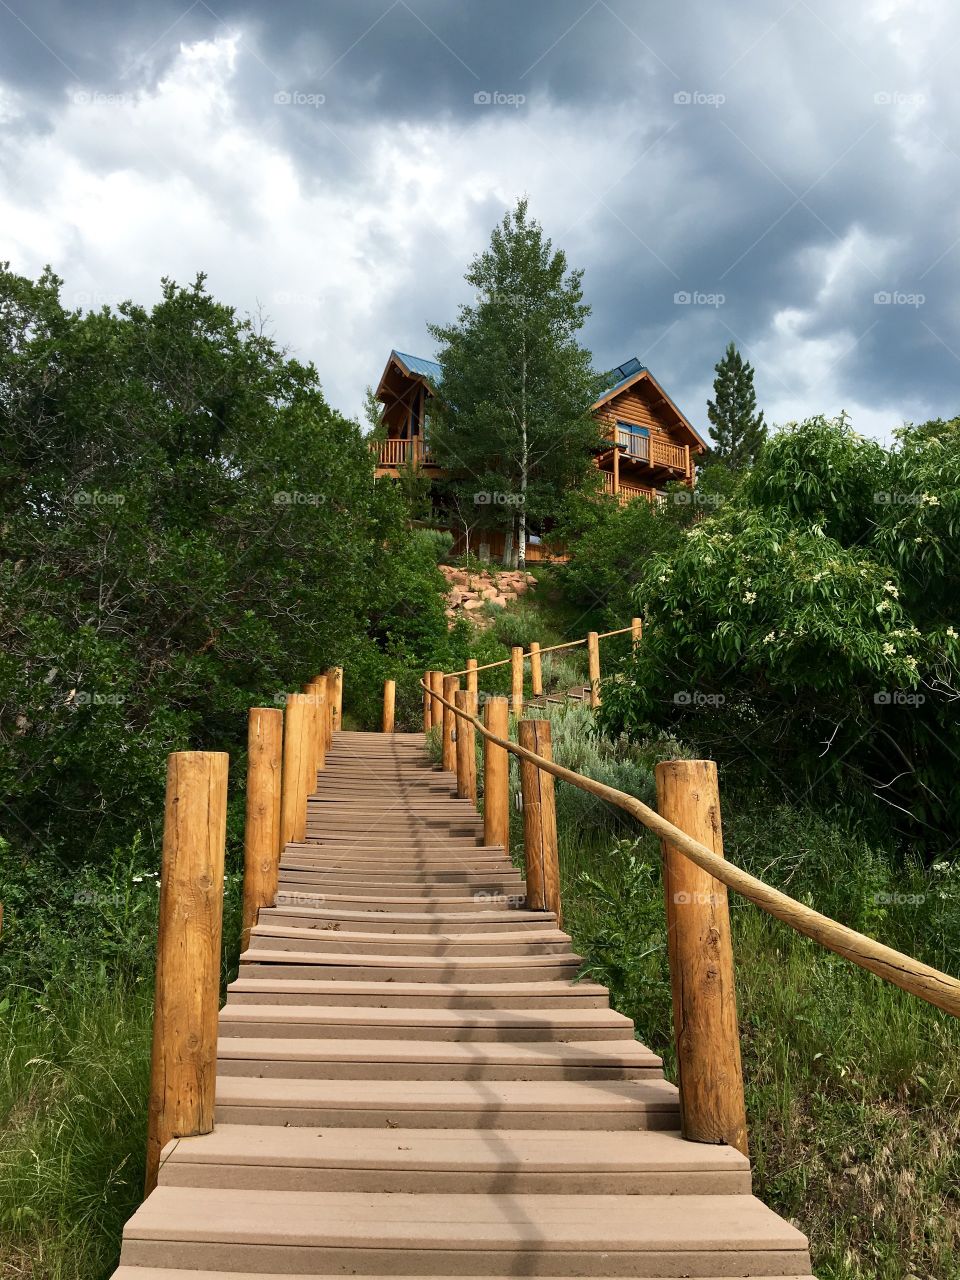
632, 371
418, 367
620, 378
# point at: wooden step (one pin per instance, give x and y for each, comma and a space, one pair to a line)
298, 938
466, 1235
270, 1020
383, 1059
169, 1273
619, 1105
302, 895
380, 968
411, 922
267, 984
522, 1161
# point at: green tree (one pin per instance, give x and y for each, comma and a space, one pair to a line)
186, 529
513, 426
737, 429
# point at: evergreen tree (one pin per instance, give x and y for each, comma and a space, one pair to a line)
513, 426
737, 429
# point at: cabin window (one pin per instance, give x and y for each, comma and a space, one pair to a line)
635, 440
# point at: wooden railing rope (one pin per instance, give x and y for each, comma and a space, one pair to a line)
550, 648
929, 984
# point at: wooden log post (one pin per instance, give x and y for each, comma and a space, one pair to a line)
700, 952
472, 686
335, 697
593, 667
427, 702
449, 726
296, 770
389, 704
496, 775
536, 669
636, 632
261, 865
516, 680
540, 849
436, 709
187, 1002
323, 688
466, 701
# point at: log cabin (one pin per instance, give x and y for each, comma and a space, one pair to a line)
645, 440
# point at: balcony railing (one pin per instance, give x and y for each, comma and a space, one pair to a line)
636, 446
399, 453
653, 449
628, 492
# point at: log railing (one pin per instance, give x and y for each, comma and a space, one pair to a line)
696, 879
286, 748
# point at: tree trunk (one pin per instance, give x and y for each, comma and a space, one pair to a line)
508, 546
524, 468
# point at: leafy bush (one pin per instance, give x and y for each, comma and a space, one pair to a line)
778, 635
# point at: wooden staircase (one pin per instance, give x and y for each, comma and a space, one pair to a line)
411, 1082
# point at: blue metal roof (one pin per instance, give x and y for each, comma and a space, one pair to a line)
425, 368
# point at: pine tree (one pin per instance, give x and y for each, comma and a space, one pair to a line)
513, 425
737, 429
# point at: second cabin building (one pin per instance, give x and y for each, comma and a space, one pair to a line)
645, 439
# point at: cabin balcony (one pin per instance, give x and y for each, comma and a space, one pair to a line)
625, 492
393, 454
654, 452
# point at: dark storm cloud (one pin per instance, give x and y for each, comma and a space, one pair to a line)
789, 157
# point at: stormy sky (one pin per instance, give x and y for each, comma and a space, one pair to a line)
783, 174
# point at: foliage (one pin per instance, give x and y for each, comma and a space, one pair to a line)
513, 427
779, 637
737, 429
186, 530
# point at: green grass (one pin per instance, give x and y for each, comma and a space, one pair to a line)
77, 974
853, 1087
74, 1072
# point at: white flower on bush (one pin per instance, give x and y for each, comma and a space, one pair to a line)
891, 590
929, 499
749, 597
884, 606
951, 633
889, 648
770, 637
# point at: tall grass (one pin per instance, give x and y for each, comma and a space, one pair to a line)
853, 1087
76, 1011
